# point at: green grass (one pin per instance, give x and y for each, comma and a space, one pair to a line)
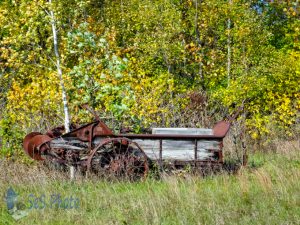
267, 192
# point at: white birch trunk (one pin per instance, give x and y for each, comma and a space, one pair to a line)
59, 72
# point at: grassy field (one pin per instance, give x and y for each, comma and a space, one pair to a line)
265, 192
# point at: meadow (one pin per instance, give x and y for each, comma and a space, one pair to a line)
145, 64
266, 191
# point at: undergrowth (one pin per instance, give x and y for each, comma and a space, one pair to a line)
267, 191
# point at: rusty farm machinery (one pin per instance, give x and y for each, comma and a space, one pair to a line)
93, 147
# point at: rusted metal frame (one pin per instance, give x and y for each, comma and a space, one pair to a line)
106, 141
92, 153
169, 136
221, 129
79, 128
81, 134
146, 158
91, 136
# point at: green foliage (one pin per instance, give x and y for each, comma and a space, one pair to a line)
138, 62
99, 75
11, 139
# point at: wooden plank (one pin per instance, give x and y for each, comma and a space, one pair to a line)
178, 149
148, 144
73, 144
178, 145
150, 147
186, 155
180, 155
208, 144
183, 131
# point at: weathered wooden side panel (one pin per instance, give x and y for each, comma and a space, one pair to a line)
150, 147
179, 149
170, 149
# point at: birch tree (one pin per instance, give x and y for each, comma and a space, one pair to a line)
62, 85
59, 71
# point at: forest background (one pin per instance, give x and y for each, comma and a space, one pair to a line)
150, 63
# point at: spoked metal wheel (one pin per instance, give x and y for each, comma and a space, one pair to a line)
119, 158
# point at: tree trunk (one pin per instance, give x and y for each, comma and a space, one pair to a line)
62, 85
59, 71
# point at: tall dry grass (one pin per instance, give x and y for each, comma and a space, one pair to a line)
267, 191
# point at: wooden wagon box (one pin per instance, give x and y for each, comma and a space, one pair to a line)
183, 145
